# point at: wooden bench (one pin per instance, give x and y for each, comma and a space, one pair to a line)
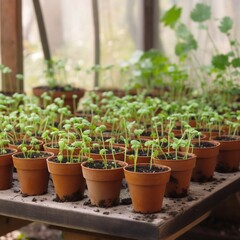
120, 222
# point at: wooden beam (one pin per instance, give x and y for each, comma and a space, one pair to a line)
97, 50
11, 43
150, 14
42, 29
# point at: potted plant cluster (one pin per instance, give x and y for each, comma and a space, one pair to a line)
32, 169
58, 86
146, 179
150, 134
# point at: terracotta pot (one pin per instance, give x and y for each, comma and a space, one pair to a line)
32, 173
66, 95
140, 159
104, 185
208, 135
205, 162
47, 147
229, 155
181, 172
147, 189
67, 179
16, 146
6, 169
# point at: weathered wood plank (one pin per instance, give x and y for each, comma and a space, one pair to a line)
11, 43
150, 24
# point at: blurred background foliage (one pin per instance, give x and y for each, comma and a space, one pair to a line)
69, 27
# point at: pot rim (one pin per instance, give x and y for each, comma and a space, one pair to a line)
154, 164
109, 160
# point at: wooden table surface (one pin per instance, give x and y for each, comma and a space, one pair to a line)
176, 217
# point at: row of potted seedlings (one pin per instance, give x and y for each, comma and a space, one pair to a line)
136, 137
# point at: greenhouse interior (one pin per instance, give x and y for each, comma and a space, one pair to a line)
119, 120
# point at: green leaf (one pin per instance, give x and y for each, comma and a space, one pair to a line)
183, 48
186, 41
201, 13
236, 62
183, 33
171, 17
226, 25
220, 61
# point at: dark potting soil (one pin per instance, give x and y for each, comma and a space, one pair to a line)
206, 130
147, 169
226, 138
19, 142
100, 165
142, 153
151, 134
108, 203
35, 155
98, 139
64, 160
147, 134
171, 156
70, 198
7, 151
103, 203
108, 150
203, 145
174, 194
200, 177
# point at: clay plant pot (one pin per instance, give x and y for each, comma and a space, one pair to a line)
140, 159
229, 154
6, 169
104, 185
66, 95
209, 135
32, 173
206, 160
67, 179
17, 144
181, 172
146, 188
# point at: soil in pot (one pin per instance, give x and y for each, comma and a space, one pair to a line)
143, 156
118, 153
67, 178
147, 182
